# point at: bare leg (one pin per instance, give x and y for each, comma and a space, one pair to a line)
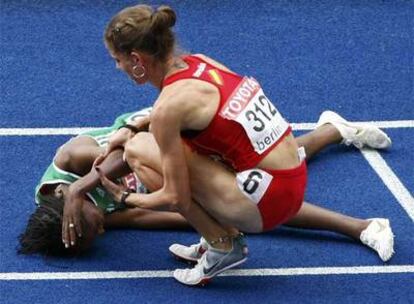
314, 217
318, 139
142, 153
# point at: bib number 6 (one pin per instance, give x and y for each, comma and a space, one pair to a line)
251, 184
254, 183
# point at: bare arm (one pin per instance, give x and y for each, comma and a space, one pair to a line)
119, 138
175, 189
113, 166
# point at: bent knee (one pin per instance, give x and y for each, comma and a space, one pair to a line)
133, 147
63, 158
77, 155
138, 149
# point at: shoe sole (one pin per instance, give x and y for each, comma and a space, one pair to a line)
207, 279
184, 259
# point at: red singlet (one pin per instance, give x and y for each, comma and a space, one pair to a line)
243, 110
245, 128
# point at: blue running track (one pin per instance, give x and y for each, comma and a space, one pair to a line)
354, 57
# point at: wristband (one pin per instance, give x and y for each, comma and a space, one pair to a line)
125, 195
131, 127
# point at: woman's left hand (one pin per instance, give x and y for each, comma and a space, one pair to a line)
98, 160
114, 189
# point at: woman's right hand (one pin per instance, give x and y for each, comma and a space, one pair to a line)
114, 190
71, 222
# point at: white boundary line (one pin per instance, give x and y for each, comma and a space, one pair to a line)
75, 131
391, 124
43, 131
105, 275
390, 180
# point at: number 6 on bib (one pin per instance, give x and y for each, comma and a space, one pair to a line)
254, 183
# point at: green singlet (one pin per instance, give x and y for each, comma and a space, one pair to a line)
99, 196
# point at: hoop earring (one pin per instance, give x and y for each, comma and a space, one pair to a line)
140, 74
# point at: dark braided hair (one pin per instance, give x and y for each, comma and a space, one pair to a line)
43, 234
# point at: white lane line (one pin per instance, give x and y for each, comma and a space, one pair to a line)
380, 124
105, 275
43, 131
75, 131
392, 182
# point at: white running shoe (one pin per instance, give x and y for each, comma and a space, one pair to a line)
189, 253
378, 235
212, 263
359, 135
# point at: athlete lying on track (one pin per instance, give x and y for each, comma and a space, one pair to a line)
43, 233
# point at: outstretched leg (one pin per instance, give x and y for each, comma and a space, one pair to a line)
375, 233
318, 139
334, 129
314, 217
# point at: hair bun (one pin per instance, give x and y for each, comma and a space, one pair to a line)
163, 18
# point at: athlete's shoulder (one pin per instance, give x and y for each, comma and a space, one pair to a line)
213, 62
175, 96
187, 88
